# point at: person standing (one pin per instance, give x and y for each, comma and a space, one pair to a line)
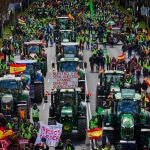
35, 114
69, 145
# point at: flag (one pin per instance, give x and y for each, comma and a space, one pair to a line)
70, 17
17, 68
94, 133
91, 9
147, 80
21, 21
1, 56
120, 57
80, 13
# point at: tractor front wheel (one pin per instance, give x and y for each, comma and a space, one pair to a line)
81, 129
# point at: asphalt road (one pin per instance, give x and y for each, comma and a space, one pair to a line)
92, 79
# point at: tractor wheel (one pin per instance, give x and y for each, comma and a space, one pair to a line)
81, 129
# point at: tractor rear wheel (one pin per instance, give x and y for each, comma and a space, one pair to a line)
81, 128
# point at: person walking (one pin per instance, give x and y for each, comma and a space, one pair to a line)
69, 145
35, 114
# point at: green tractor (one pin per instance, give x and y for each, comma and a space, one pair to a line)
126, 124
33, 50
110, 83
69, 110
13, 98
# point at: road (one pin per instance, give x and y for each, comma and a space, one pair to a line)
92, 79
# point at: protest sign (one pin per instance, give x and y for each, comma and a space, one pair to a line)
51, 133
65, 80
5, 143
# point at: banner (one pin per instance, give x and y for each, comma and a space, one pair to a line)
5, 143
94, 133
65, 80
17, 68
51, 133
91, 9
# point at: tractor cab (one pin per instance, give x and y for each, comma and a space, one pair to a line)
32, 49
71, 50
69, 64
64, 36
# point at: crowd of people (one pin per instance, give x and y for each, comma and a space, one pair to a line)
39, 24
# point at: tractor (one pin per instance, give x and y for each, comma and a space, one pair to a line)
110, 83
70, 50
14, 100
70, 110
126, 123
33, 50
33, 79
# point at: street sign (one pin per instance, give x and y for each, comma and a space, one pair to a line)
65, 80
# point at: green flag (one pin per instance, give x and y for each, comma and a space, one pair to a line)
91, 9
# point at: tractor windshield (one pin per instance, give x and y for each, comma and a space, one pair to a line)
113, 78
70, 49
33, 49
67, 98
68, 66
128, 107
8, 84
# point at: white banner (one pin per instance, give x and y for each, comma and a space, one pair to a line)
51, 133
65, 80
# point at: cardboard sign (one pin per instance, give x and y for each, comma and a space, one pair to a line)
65, 80
51, 133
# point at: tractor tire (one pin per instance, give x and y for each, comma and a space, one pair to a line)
81, 129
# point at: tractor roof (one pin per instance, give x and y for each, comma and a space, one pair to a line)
135, 98
69, 90
10, 77
26, 61
34, 42
66, 31
113, 71
69, 59
70, 43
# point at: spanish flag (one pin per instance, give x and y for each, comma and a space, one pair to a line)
94, 133
2, 56
80, 13
21, 21
70, 17
147, 80
121, 57
17, 68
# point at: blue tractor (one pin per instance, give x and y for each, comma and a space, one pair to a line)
33, 79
